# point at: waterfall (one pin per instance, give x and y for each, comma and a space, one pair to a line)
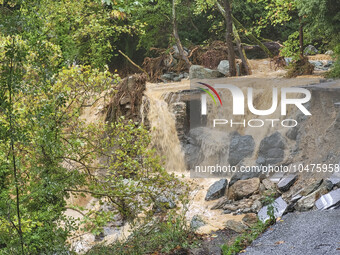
163, 130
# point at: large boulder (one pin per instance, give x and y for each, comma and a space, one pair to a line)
200, 72
286, 182
271, 150
216, 190
244, 188
204, 147
237, 226
333, 180
255, 52
223, 67
237, 176
191, 153
329, 201
240, 148
307, 202
197, 222
310, 50
279, 206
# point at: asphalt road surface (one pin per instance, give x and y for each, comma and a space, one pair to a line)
307, 233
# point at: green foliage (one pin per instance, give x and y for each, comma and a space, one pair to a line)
268, 200
86, 31
134, 177
157, 236
291, 46
335, 72
47, 151
258, 17
156, 17
157, 31
278, 13
322, 20
244, 240
37, 105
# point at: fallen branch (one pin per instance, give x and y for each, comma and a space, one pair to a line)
133, 63
193, 51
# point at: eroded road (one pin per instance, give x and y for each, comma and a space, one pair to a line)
307, 233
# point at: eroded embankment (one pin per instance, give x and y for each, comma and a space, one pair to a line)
301, 142
314, 140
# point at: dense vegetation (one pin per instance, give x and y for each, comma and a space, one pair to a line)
57, 56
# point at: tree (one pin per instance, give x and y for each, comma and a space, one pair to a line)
321, 20
176, 36
203, 5
86, 31
229, 37
241, 51
281, 11
36, 140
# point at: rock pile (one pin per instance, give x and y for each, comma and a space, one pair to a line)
172, 76
200, 72
255, 196
319, 65
243, 196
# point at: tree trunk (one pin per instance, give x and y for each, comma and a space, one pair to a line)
242, 53
175, 33
301, 37
238, 42
229, 38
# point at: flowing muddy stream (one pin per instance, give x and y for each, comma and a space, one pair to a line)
165, 139
163, 127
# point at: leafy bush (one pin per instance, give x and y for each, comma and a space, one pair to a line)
157, 236
134, 178
242, 241
335, 72
291, 46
